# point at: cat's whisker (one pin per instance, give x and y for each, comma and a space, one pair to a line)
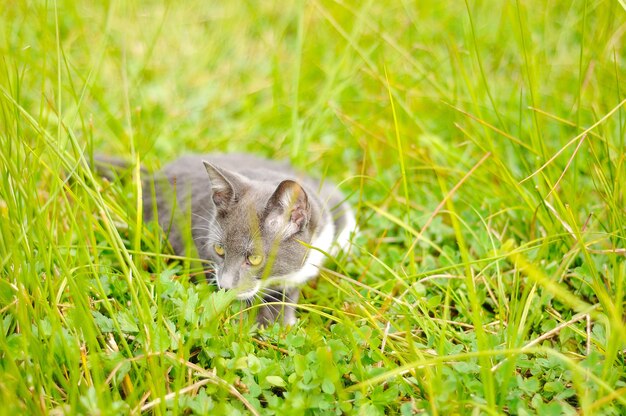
276, 295
209, 223
205, 209
270, 290
210, 229
202, 228
211, 281
209, 235
206, 237
205, 245
209, 220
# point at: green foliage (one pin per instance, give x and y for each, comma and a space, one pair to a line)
482, 146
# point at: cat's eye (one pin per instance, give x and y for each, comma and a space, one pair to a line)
219, 249
255, 259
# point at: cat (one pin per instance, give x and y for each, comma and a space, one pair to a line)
263, 226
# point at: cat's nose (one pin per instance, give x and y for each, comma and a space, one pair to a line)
227, 281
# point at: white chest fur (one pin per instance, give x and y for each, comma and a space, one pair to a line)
321, 244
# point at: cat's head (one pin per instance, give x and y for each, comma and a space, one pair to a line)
259, 229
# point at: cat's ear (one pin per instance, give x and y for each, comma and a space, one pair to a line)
222, 187
288, 210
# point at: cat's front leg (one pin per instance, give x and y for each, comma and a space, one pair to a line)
279, 303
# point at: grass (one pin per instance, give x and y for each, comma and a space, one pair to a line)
482, 146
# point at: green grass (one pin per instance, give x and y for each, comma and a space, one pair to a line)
481, 143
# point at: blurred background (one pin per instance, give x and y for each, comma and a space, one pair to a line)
481, 143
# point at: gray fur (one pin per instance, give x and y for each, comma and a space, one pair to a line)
249, 205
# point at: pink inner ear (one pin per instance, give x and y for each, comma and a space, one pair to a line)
220, 198
288, 209
298, 215
299, 210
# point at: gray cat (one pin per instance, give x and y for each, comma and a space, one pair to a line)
263, 226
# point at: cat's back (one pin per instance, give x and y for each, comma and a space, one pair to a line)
252, 167
266, 173
244, 164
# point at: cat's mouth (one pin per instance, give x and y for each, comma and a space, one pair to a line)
245, 294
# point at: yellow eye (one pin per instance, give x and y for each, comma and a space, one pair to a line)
219, 249
255, 259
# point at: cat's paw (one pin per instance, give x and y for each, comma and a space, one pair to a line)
271, 313
266, 316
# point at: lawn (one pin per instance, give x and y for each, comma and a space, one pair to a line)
481, 144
